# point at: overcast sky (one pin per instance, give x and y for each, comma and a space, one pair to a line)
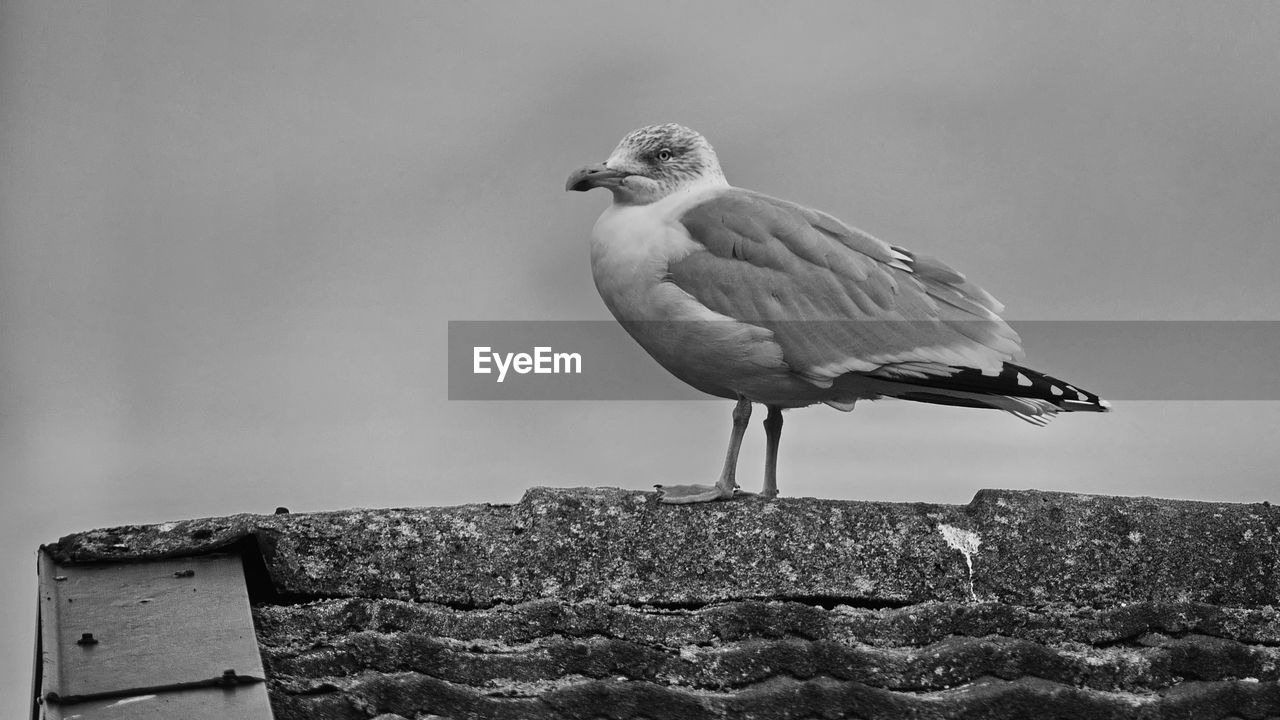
232, 234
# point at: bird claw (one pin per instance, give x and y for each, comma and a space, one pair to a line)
687, 494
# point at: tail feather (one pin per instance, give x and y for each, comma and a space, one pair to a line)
1030, 395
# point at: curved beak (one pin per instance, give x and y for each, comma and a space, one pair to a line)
598, 175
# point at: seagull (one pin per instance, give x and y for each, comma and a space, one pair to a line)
760, 300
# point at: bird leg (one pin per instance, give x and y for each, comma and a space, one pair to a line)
725, 488
772, 437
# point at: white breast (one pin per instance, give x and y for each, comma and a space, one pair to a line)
631, 250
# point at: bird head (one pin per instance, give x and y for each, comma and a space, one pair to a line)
652, 163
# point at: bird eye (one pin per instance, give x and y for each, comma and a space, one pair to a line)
664, 154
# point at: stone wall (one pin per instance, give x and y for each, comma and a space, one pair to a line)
601, 603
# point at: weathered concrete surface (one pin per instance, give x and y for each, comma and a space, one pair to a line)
601, 603
623, 547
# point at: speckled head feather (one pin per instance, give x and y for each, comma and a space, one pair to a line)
652, 163
671, 155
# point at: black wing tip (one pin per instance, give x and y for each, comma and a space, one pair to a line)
1019, 382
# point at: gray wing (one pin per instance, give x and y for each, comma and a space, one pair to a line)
837, 300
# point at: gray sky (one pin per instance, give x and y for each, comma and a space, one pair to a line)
232, 234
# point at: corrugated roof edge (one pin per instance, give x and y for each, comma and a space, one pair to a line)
609, 600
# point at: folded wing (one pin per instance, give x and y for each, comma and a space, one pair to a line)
838, 300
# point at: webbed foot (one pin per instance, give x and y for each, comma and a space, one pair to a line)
686, 494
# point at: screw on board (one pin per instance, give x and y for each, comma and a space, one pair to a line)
228, 677
87, 639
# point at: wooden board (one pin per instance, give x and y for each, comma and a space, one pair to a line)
115, 633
